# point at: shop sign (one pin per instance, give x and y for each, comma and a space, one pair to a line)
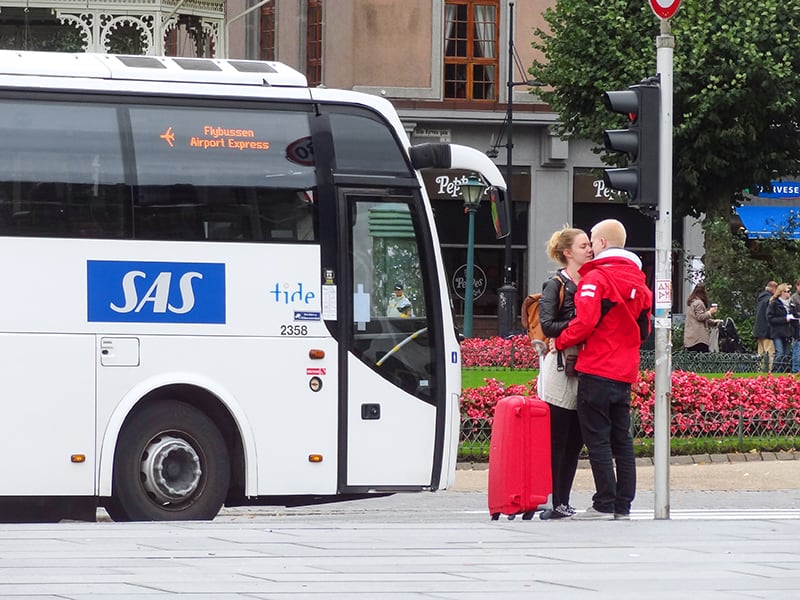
440, 133
443, 184
478, 282
588, 186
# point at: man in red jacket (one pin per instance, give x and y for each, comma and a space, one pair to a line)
613, 309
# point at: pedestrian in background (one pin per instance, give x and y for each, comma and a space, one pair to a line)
696, 329
613, 310
764, 344
399, 305
781, 328
570, 249
794, 309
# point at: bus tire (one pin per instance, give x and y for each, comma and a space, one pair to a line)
171, 463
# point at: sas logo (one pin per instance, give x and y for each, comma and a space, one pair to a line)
155, 292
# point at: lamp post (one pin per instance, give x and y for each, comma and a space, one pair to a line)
471, 191
507, 293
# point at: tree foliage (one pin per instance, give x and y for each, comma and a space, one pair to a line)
736, 86
733, 277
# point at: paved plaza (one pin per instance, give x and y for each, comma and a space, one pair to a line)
719, 544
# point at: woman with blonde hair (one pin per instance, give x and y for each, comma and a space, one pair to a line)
780, 317
569, 248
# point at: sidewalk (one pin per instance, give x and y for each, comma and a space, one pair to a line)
717, 472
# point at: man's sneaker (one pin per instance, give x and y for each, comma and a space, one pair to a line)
592, 514
622, 517
571, 510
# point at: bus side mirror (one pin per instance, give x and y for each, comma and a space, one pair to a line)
425, 156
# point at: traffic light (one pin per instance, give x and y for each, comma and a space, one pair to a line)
639, 180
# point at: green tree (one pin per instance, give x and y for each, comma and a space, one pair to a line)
736, 86
734, 277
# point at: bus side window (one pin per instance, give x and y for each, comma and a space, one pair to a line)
5, 209
167, 213
47, 213
236, 222
287, 215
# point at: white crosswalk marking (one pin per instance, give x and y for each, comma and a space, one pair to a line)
703, 514
724, 514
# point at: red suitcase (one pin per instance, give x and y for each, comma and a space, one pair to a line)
520, 473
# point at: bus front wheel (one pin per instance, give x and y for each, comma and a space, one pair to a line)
171, 463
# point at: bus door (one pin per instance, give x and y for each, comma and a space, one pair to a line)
391, 384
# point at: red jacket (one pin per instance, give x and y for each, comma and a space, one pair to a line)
613, 306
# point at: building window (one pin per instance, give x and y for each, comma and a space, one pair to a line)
470, 49
266, 34
314, 43
171, 42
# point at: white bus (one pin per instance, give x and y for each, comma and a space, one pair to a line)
197, 259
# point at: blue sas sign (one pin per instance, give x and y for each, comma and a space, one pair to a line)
155, 292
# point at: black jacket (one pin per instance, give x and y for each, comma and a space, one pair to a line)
779, 327
553, 319
761, 325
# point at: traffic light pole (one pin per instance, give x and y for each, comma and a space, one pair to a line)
665, 45
647, 183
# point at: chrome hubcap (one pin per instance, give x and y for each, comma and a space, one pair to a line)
170, 469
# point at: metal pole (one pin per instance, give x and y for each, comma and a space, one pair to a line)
468, 290
507, 293
665, 45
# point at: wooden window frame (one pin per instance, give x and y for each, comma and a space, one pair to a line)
470, 60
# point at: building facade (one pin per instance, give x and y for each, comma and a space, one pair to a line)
152, 27
456, 70
446, 66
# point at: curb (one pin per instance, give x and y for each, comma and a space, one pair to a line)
696, 459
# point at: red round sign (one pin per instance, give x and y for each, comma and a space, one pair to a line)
664, 9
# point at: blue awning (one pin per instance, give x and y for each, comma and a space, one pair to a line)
762, 222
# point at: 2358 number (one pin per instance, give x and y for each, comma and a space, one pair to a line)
294, 329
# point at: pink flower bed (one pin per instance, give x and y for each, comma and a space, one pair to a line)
699, 405
515, 352
715, 406
479, 403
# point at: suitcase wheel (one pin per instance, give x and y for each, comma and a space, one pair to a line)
512, 517
495, 516
528, 515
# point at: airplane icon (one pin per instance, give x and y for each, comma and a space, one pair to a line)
168, 137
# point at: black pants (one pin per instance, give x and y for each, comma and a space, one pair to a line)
566, 442
701, 347
605, 417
